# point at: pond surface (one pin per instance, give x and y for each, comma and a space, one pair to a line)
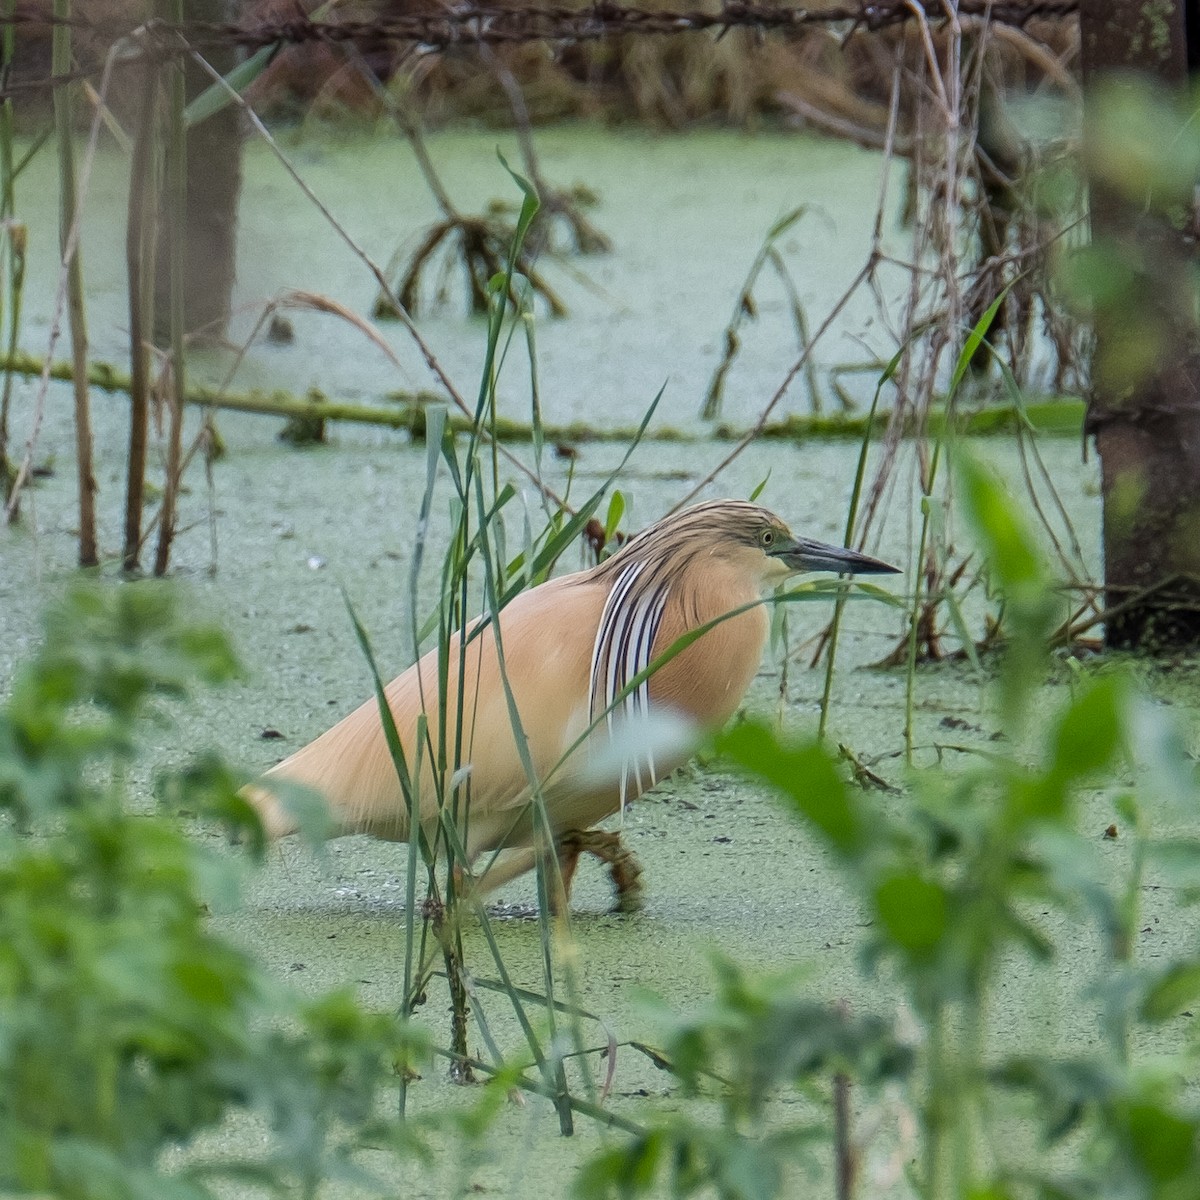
267, 548
726, 868
686, 216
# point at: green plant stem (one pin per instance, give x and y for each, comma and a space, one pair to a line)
548, 879
835, 623
452, 800
951, 1114
1122, 943
938, 1150
914, 622
845, 1166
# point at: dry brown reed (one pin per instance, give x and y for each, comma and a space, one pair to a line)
980, 255
736, 77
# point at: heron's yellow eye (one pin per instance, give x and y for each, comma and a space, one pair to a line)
766, 539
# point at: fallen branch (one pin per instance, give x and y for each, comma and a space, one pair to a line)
1053, 416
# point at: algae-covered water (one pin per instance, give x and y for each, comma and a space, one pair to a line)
726, 868
686, 217
267, 549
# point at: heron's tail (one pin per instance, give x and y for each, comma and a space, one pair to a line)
276, 821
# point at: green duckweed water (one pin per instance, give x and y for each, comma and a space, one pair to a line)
686, 217
267, 549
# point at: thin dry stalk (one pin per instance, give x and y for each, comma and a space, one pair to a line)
460, 1061
64, 96
841, 127
933, 322
15, 237
1041, 57
556, 204
140, 240
176, 179
12, 254
799, 365
963, 192
480, 243
843, 1142
173, 472
70, 246
867, 275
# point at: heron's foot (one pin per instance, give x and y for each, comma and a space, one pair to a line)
460, 1073
623, 867
626, 874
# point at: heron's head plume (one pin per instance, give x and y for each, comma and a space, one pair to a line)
747, 535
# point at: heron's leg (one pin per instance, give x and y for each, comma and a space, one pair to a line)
507, 866
568, 849
623, 866
626, 873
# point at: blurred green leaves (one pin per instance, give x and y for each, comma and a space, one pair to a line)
127, 1028
806, 774
757, 1035
108, 657
956, 879
1135, 279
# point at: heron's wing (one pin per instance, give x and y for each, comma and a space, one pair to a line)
546, 638
546, 635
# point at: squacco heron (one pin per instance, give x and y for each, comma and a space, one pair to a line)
570, 648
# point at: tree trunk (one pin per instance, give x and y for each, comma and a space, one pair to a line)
214, 178
1145, 418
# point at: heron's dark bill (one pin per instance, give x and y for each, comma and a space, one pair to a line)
806, 555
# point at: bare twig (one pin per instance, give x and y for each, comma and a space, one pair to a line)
70, 246
76, 311
842, 127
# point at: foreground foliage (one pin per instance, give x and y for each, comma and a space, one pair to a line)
954, 878
127, 1029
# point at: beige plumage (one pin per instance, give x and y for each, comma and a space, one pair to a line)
570, 646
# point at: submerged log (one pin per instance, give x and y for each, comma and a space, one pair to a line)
1053, 416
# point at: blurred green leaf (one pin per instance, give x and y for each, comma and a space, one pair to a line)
1176, 989
1064, 1088
1139, 142
128, 1028
913, 911
1089, 734
1007, 542
1165, 1146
